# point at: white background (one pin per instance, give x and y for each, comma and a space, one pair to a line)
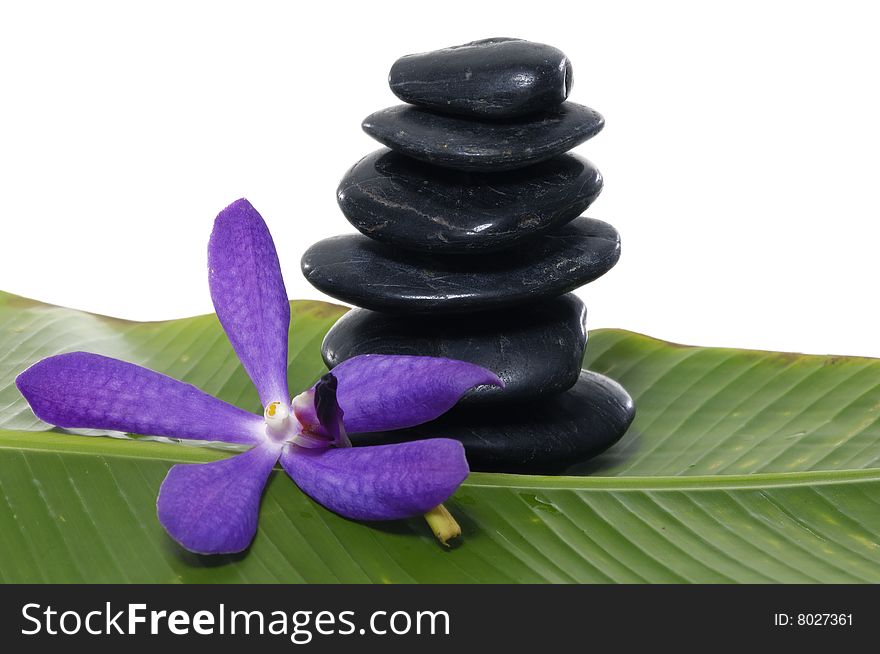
740, 154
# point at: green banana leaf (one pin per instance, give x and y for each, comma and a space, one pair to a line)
740, 467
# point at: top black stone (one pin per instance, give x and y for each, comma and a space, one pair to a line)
492, 78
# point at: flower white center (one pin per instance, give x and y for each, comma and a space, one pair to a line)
277, 416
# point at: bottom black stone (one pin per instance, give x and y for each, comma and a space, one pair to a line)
539, 437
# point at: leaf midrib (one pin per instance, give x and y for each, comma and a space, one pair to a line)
54, 443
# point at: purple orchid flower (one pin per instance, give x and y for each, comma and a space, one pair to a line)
212, 508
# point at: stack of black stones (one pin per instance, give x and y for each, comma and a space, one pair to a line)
472, 240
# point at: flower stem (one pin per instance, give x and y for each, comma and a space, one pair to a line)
443, 525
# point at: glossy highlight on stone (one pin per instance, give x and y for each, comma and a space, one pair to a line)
492, 78
546, 436
483, 145
356, 269
403, 202
536, 350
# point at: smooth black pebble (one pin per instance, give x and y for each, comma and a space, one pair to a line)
492, 78
536, 350
483, 145
400, 201
372, 275
545, 436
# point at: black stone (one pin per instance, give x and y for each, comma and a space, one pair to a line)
542, 437
359, 270
455, 142
536, 350
403, 202
493, 78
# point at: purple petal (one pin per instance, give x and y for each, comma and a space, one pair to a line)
379, 392
250, 298
212, 508
382, 482
91, 391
